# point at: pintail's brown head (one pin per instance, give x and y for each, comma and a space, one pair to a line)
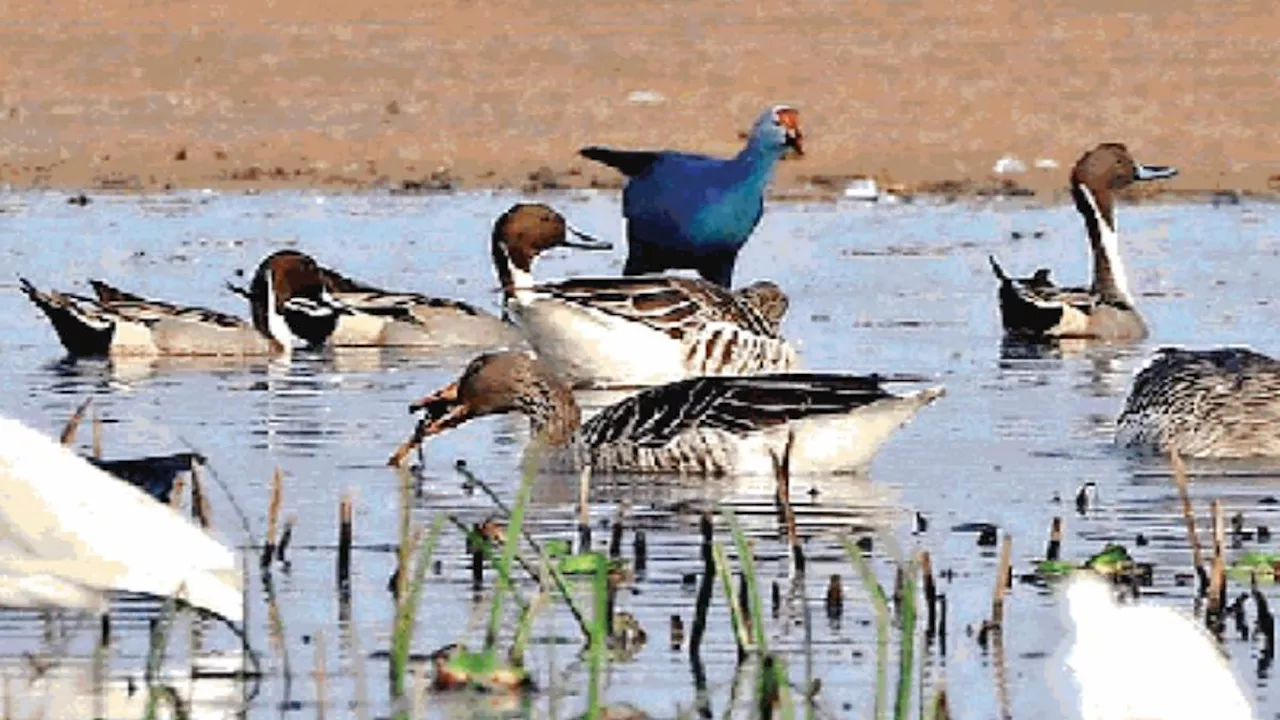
1107, 168
526, 230
1094, 180
291, 302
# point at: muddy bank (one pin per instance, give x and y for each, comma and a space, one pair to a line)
924, 96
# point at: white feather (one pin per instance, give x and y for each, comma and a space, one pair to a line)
63, 518
1110, 246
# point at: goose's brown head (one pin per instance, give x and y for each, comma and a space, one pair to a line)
492, 384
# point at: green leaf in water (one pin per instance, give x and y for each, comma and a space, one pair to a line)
557, 548
1254, 564
471, 663
584, 564
1054, 568
1112, 559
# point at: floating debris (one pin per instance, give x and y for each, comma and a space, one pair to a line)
1009, 165
646, 97
864, 189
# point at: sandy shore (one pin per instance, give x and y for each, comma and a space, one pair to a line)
923, 95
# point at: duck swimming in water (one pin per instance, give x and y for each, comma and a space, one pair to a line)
291, 309
1216, 404
1036, 308
713, 425
629, 332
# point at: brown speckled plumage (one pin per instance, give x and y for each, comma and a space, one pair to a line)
1220, 403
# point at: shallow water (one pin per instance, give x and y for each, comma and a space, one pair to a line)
903, 288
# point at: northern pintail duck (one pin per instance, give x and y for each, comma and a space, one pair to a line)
1220, 403
693, 211
702, 426
611, 332
386, 318
63, 520
1037, 308
291, 308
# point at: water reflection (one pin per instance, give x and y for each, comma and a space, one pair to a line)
1020, 425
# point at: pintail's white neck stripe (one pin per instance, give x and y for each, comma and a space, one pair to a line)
521, 280
1109, 240
276, 323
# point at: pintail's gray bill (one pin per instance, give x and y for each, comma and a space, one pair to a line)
578, 239
1154, 172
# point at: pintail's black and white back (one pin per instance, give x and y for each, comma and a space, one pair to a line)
1035, 307
712, 425
1220, 403
291, 309
391, 318
632, 331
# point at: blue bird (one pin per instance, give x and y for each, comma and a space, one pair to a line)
694, 211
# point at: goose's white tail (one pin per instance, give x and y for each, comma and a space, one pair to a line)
64, 519
847, 443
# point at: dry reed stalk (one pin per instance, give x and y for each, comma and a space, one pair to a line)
930, 595
96, 423
285, 536
705, 588
1002, 582
835, 598
782, 497
640, 550
615, 531
344, 543
200, 499
584, 510
1180, 479
1218, 577
273, 518
68, 436
320, 676
1054, 549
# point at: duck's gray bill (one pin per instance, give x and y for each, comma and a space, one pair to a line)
578, 239
1154, 172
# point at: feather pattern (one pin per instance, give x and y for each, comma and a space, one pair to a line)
138, 309
677, 307
707, 426
654, 417
1220, 403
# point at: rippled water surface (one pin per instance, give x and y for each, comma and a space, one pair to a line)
903, 288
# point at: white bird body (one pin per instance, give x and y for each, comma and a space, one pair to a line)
63, 518
1143, 662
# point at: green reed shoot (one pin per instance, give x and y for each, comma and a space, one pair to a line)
739, 627
772, 678
749, 571
524, 627
881, 606
906, 641
155, 655
407, 608
508, 556
599, 628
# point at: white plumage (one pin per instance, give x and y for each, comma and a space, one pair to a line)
69, 530
1142, 662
